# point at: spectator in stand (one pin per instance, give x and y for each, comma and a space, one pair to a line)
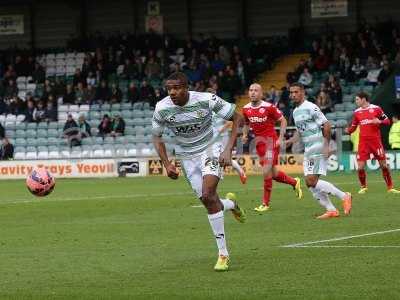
272, 96
158, 95
250, 71
232, 85
147, 93
334, 90
152, 69
105, 126
117, 126
323, 101
89, 95
133, 93
29, 111
70, 96
78, 78
71, 132
384, 73
84, 127
10, 73
11, 89
51, 110
306, 78
91, 79
6, 150
39, 113
103, 92
217, 64
16, 106
193, 73
129, 71
116, 94
2, 132
79, 93
321, 62
38, 74
358, 69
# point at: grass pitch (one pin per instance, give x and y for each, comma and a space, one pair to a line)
143, 239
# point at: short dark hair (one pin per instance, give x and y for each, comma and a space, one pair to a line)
297, 84
363, 95
179, 76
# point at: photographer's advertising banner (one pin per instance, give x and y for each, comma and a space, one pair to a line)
11, 24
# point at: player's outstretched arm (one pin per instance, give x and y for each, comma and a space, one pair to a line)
283, 124
226, 156
162, 153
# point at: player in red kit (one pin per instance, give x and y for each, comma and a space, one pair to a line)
261, 117
369, 117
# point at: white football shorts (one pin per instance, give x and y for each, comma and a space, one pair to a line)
206, 163
315, 166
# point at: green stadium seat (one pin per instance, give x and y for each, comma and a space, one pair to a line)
41, 133
42, 125
31, 126
339, 107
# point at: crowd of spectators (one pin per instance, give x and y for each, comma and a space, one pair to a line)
366, 57
75, 131
129, 68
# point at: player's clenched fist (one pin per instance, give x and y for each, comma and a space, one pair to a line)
172, 172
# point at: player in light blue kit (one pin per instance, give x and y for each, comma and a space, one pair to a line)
189, 115
315, 132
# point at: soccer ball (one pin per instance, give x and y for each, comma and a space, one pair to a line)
40, 182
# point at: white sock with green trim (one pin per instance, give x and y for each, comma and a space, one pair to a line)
329, 188
228, 204
217, 225
323, 199
236, 166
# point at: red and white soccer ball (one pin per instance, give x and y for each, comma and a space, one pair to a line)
40, 182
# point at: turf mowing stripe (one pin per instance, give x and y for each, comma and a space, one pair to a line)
346, 246
305, 244
147, 195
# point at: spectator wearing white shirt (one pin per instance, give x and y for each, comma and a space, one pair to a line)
306, 78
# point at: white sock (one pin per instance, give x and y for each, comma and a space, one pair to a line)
236, 166
329, 188
323, 199
228, 204
217, 226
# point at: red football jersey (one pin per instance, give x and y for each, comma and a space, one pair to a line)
262, 118
363, 117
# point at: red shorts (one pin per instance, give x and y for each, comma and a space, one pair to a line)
368, 147
268, 152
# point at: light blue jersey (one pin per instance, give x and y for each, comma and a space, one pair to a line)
309, 119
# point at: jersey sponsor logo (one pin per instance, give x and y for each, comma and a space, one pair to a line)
365, 122
371, 110
262, 110
200, 114
188, 128
257, 119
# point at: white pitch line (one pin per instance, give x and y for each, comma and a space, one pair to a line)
347, 246
302, 245
21, 201
197, 206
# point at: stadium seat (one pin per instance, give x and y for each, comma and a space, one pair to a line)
339, 107
41, 141
41, 133
31, 126
53, 141
131, 150
19, 155
86, 151
108, 151
98, 151
31, 141
76, 152
19, 133
109, 140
